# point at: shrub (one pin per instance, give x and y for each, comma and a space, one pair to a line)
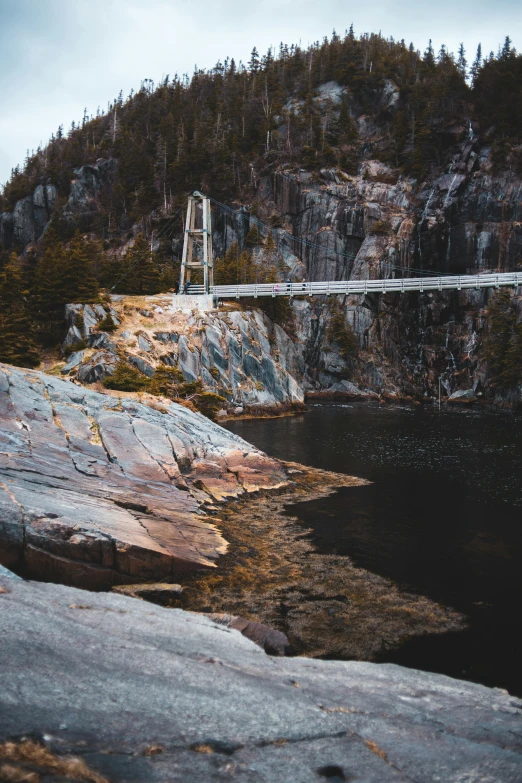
166, 382
107, 324
340, 333
79, 345
126, 378
503, 345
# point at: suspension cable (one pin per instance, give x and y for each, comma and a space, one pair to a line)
144, 255
308, 243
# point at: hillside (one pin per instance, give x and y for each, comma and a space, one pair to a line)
356, 157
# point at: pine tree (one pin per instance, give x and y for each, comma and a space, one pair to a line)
462, 63
477, 64
79, 283
506, 49
141, 274
429, 55
17, 344
49, 294
254, 61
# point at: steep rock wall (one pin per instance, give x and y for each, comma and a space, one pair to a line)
379, 224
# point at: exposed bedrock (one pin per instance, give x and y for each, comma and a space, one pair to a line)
27, 222
144, 693
241, 355
98, 490
465, 219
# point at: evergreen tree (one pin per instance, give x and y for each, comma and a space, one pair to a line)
462, 63
429, 55
49, 292
477, 64
140, 273
77, 278
17, 345
506, 49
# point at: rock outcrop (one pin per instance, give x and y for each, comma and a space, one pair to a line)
31, 214
27, 222
241, 355
98, 490
330, 225
380, 223
145, 693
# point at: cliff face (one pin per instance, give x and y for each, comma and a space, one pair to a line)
26, 223
380, 224
99, 490
31, 214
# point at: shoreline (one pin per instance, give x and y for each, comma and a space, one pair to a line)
273, 574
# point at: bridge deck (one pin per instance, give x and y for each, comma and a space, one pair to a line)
381, 286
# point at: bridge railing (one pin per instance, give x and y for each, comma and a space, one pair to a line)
387, 285
194, 290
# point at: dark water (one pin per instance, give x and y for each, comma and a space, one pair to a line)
443, 517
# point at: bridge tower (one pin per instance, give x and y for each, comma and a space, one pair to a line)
197, 243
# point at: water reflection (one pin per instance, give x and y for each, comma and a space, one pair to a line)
442, 516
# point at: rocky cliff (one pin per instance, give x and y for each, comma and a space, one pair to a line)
98, 490
140, 692
240, 354
380, 223
329, 224
31, 214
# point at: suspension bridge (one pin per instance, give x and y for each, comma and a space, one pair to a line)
197, 255
379, 286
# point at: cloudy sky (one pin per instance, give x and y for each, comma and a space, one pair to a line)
61, 56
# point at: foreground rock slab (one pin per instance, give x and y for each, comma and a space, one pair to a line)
98, 490
144, 693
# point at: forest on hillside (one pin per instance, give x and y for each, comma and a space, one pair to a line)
220, 131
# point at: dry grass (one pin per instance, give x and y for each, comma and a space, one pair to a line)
28, 761
376, 749
326, 606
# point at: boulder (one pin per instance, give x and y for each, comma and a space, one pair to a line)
463, 397
144, 344
74, 360
90, 319
146, 693
99, 366
99, 340
143, 366
166, 337
272, 641
72, 337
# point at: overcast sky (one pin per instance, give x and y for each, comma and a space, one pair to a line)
60, 56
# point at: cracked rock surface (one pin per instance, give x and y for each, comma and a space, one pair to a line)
145, 693
98, 490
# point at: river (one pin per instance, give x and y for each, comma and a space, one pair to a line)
442, 517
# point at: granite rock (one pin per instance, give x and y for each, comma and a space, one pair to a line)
463, 396
145, 693
97, 490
